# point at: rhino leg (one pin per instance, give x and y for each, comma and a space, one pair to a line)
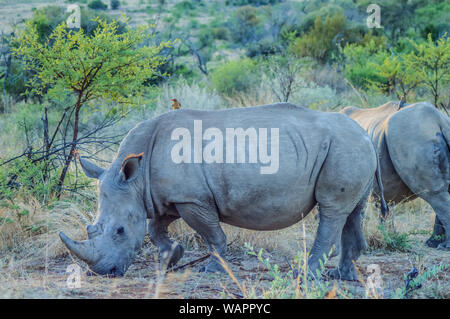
328, 234
438, 234
170, 252
352, 243
337, 247
441, 205
205, 221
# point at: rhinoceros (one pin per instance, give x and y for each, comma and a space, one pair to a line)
322, 158
413, 144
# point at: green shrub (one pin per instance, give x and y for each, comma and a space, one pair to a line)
358, 58
234, 77
298, 282
431, 273
16, 81
47, 18
394, 240
319, 40
115, 4
23, 175
245, 24
184, 5
264, 47
205, 38
220, 33
252, 2
97, 5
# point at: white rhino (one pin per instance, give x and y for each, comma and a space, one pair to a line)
413, 144
323, 158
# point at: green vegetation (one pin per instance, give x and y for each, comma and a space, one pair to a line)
426, 65
97, 5
115, 4
234, 77
108, 65
320, 39
298, 282
433, 272
394, 240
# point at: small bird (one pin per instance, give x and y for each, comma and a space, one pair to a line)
175, 104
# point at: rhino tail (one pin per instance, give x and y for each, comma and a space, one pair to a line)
383, 204
444, 158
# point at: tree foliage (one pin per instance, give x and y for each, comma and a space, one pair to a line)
318, 41
106, 65
430, 65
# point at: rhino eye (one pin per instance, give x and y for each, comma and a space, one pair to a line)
120, 230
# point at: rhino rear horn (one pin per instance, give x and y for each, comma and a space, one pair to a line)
90, 169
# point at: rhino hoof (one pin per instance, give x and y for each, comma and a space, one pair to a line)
339, 274
444, 246
170, 258
433, 243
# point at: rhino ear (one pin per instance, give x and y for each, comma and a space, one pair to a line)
130, 167
90, 169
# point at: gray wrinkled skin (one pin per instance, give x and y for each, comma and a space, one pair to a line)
325, 159
413, 143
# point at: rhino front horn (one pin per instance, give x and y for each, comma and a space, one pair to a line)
82, 249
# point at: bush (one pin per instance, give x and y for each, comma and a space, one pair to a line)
97, 5
35, 178
251, 2
115, 4
234, 77
358, 69
220, 33
245, 24
46, 19
263, 47
319, 40
394, 240
184, 6
16, 81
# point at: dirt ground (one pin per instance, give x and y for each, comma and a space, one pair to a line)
48, 279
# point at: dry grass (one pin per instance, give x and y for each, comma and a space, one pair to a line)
34, 265
34, 237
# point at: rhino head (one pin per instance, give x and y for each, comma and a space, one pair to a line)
119, 231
